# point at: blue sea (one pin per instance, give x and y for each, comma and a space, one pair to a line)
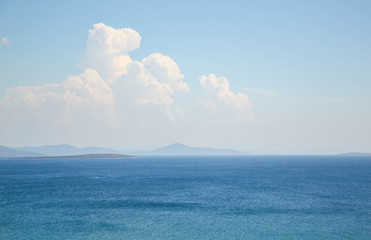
239, 197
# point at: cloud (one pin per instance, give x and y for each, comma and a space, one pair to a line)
148, 89
153, 81
5, 41
107, 50
220, 97
106, 39
118, 97
164, 68
261, 91
63, 103
113, 89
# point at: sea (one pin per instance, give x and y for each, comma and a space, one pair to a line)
204, 197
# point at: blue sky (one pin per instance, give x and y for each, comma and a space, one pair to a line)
303, 65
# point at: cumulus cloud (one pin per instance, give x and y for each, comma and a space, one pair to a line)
107, 50
153, 81
164, 68
112, 86
148, 89
5, 41
119, 94
219, 96
87, 93
145, 88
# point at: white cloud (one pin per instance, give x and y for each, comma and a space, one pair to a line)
150, 82
106, 39
220, 97
148, 88
107, 50
164, 68
63, 103
114, 89
118, 96
153, 81
5, 41
175, 114
142, 87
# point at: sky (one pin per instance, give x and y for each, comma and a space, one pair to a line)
263, 77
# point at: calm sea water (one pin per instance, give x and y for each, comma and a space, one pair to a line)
252, 197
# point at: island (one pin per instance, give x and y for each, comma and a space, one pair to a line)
83, 156
178, 149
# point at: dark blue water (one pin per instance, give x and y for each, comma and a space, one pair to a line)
187, 198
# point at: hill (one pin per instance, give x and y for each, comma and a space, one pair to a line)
87, 156
10, 152
181, 149
66, 149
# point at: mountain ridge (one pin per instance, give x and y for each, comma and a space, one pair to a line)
178, 149
66, 149
89, 156
12, 152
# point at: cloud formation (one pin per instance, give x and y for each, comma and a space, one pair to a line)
117, 92
219, 96
107, 50
86, 93
153, 81
158, 78
112, 86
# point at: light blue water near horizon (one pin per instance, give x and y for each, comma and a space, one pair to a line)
239, 197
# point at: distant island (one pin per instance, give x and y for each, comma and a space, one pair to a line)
67, 151
87, 156
178, 149
6, 152
53, 150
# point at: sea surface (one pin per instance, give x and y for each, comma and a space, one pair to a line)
240, 197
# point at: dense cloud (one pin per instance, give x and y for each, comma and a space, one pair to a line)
219, 96
150, 82
107, 50
87, 92
116, 92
